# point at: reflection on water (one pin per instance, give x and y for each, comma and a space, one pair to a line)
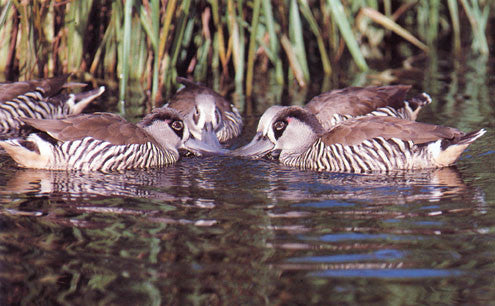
169, 235
223, 230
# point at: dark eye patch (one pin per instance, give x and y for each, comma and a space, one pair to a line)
178, 127
303, 116
279, 128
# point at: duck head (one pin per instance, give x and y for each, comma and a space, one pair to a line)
282, 130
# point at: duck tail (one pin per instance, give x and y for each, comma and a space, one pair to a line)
451, 149
26, 152
415, 104
79, 101
470, 137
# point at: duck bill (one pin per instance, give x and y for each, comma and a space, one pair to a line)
208, 144
259, 147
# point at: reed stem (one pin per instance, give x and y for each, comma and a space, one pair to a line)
126, 46
454, 16
150, 41
252, 48
274, 46
338, 14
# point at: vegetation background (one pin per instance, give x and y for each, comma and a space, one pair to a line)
150, 42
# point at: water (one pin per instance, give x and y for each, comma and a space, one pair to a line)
223, 230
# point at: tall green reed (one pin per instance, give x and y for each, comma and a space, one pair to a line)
153, 41
125, 49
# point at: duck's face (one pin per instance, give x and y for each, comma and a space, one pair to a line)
204, 119
282, 130
167, 127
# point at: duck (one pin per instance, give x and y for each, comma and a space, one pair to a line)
40, 99
333, 107
100, 142
210, 117
295, 137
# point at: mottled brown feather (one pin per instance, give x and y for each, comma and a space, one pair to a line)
357, 101
103, 126
183, 100
355, 131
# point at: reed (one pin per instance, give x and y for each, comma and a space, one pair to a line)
478, 18
126, 46
313, 24
338, 14
153, 41
296, 31
394, 27
274, 46
454, 16
252, 46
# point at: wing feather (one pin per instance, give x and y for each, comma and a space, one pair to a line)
356, 131
51, 86
103, 126
357, 101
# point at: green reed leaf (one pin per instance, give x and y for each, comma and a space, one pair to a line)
297, 38
478, 19
338, 15
252, 47
126, 46
274, 43
306, 11
4, 12
454, 16
393, 26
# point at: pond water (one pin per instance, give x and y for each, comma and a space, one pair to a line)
223, 230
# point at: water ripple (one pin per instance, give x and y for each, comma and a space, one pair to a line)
389, 273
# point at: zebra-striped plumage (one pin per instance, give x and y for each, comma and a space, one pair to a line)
90, 154
35, 104
403, 113
371, 155
232, 125
29, 105
296, 138
101, 142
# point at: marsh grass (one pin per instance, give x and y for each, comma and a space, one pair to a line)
153, 41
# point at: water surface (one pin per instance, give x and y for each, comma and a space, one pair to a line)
223, 230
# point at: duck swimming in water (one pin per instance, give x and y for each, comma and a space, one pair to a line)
101, 142
208, 115
40, 99
295, 137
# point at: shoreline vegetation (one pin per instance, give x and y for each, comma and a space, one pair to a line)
153, 41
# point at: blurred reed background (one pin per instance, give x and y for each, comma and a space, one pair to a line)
219, 41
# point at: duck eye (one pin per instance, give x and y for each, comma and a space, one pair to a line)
177, 125
278, 128
279, 125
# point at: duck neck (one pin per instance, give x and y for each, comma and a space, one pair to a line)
307, 159
161, 142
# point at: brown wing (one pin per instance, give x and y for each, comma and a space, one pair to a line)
357, 101
51, 86
356, 131
102, 126
183, 100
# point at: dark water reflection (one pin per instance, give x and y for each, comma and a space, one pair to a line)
222, 230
